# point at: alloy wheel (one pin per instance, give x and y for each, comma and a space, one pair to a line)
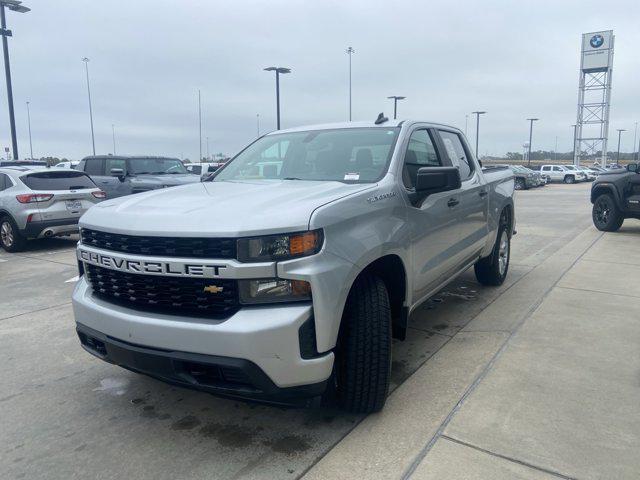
6, 234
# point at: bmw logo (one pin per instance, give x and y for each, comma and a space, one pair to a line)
596, 41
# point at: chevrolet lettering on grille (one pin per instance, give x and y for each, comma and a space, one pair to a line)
150, 267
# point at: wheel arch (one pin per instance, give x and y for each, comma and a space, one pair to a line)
391, 270
603, 189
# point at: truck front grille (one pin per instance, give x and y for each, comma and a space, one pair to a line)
161, 246
164, 294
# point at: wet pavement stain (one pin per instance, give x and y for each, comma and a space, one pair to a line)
441, 326
234, 436
289, 445
186, 423
149, 411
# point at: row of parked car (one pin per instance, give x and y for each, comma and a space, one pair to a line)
37, 201
540, 175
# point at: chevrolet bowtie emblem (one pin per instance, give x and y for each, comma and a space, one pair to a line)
213, 289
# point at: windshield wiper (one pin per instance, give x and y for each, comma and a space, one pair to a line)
291, 178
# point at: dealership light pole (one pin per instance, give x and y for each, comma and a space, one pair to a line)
349, 52
395, 104
466, 122
15, 6
620, 130
278, 71
113, 136
258, 123
86, 67
635, 136
477, 114
29, 123
530, 120
199, 126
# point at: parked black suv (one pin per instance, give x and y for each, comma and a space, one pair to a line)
615, 196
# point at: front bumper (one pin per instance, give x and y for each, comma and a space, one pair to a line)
267, 337
224, 376
50, 228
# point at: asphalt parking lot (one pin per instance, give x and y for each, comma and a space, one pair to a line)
68, 415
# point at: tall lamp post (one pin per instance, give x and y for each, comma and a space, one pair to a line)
258, 122
29, 123
93, 140
113, 137
15, 6
199, 127
278, 71
530, 120
620, 130
395, 104
635, 136
349, 52
477, 114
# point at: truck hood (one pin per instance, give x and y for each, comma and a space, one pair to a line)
221, 209
168, 180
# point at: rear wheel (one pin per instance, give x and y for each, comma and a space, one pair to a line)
605, 214
363, 359
569, 179
10, 238
520, 185
493, 269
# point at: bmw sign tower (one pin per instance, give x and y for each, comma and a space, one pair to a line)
594, 95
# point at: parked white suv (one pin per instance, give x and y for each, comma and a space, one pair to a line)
563, 173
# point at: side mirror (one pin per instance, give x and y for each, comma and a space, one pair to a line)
437, 179
117, 172
632, 167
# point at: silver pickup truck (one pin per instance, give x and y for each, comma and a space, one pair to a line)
285, 276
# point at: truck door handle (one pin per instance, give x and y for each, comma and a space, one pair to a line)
483, 193
452, 202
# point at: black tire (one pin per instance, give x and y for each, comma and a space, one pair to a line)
605, 214
493, 269
520, 185
10, 237
569, 179
363, 365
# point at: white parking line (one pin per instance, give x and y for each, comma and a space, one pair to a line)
73, 279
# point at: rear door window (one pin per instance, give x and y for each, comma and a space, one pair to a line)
3, 182
56, 180
93, 166
457, 154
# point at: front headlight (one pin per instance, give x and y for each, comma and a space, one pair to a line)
273, 290
279, 247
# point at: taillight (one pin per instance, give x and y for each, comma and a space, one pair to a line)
34, 197
99, 194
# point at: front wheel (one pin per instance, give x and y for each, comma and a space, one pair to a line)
605, 214
519, 185
569, 179
493, 269
363, 358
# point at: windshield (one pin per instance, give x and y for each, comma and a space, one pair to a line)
355, 155
155, 165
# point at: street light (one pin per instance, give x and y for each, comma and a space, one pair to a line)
199, 127
86, 67
530, 120
29, 123
113, 136
278, 71
620, 130
477, 114
13, 5
395, 104
350, 51
258, 123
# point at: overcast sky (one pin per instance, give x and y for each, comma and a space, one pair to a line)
149, 58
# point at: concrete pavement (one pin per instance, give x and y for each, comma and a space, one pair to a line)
476, 388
